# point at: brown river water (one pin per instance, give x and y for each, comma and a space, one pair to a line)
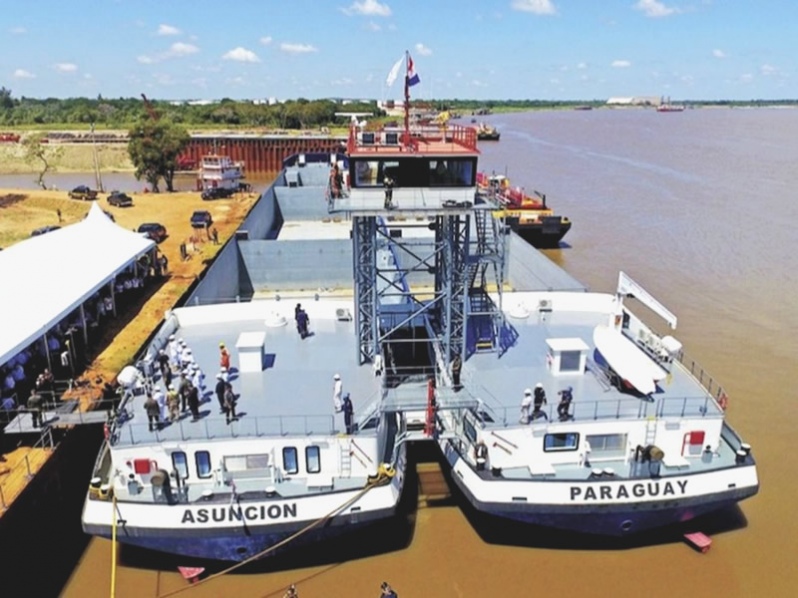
699, 207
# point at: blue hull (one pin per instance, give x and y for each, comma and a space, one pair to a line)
234, 547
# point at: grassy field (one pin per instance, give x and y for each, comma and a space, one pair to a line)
67, 157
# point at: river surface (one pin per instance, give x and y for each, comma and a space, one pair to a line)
700, 208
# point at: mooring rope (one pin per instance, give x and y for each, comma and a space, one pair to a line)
384, 475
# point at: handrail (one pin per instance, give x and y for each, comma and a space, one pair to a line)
22, 469
358, 447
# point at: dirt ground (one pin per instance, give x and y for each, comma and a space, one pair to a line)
22, 211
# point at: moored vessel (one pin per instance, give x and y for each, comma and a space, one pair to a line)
530, 217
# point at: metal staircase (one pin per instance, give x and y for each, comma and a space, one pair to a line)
345, 461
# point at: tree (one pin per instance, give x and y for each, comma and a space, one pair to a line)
6, 101
38, 151
153, 148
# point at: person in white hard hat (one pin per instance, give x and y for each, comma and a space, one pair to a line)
526, 405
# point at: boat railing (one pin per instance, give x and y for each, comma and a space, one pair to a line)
703, 378
619, 409
393, 139
215, 428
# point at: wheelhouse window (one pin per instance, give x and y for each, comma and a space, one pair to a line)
570, 361
312, 459
202, 459
290, 460
180, 464
414, 172
568, 441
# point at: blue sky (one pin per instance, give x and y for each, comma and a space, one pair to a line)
480, 49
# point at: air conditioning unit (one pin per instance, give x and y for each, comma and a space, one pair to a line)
343, 314
544, 305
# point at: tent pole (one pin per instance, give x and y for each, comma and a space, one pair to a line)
113, 295
47, 351
85, 329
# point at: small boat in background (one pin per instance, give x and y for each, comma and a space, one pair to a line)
666, 106
528, 216
487, 133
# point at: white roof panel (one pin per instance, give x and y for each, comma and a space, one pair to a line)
45, 278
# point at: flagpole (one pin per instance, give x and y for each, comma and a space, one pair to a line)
407, 100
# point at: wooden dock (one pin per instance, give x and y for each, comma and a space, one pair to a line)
18, 468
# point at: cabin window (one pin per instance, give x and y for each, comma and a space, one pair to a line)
570, 361
452, 172
568, 441
469, 430
312, 459
607, 445
290, 460
202, 459
180, 464
366, 173
415, 172
246, 462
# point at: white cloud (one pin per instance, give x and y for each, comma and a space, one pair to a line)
538, 7
621, 64
368, 8
372, 26
266, 40
145, 59
478, 83
654, 9
182, 49
17, 30
343, 81
718, 53
581, 65
298, 48
767, 69
240, 54
423, 50
168, 30
23, 74
746, 78
65, 67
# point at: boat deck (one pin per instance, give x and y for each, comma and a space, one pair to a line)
500, 383
293, 394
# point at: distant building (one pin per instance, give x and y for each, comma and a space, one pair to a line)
634, 101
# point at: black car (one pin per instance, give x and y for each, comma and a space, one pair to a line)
216, 193
83, 192
201, 219
153, 230
43, 230
119, 199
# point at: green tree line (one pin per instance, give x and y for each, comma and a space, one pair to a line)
125, 112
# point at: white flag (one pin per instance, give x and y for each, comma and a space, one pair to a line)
394, 72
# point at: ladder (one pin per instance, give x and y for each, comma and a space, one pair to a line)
345, 461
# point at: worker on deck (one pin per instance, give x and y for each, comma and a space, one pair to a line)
388, 183
35, 407
540, 400
566, 396
526, 405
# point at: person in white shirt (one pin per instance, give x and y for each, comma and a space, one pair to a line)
526, 405
338, 388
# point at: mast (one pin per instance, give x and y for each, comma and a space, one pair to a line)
407, 98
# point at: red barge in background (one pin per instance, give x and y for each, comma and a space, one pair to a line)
528, 216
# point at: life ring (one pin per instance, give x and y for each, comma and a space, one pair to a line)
723, 401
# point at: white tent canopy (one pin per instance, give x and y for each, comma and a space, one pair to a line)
47, 277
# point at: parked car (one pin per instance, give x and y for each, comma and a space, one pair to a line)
154, 231
43, 230
217, 193
119, 199
201, 219
83, 192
